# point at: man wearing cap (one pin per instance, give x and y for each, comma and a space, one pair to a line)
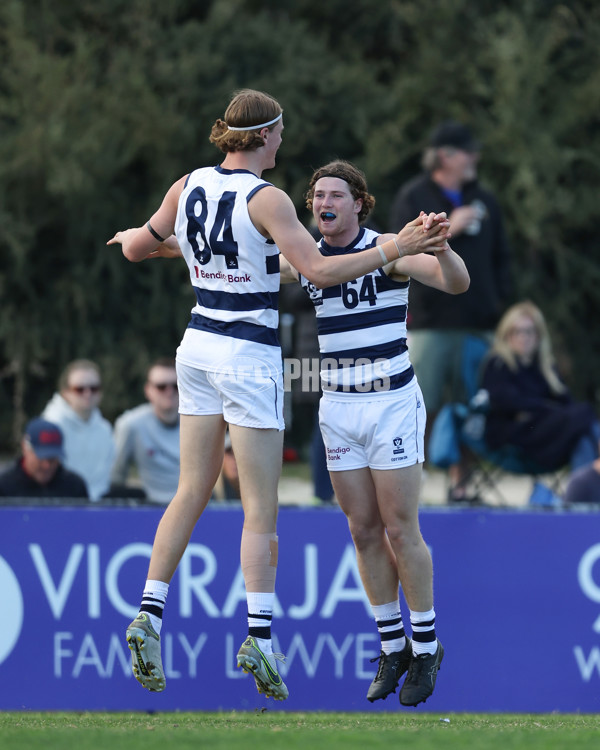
39, 472
440, 325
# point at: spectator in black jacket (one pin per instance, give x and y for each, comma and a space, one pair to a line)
441, 326
39, 472
530, 407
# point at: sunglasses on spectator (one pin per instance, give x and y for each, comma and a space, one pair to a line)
163, 386
83, 388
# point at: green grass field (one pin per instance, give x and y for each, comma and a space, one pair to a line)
288, 731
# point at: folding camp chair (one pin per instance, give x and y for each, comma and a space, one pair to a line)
460, 427
488, 467
458, 430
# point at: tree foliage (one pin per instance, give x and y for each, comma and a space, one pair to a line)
104, 105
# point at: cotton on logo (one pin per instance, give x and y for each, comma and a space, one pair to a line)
11, 621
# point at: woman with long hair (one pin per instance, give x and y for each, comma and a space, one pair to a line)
530, 407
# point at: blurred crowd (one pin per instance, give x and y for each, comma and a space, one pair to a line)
72, 451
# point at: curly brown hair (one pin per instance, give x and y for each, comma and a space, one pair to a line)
246, 108
356, 180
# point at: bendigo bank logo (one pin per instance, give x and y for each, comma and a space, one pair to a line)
11, 621
335, 454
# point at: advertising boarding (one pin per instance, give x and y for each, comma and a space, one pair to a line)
517, 599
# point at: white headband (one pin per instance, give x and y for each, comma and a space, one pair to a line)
256, 127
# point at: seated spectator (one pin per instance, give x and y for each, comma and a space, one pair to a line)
147, 437
39, 472
584, 485
529, 405
228, 484
89, 444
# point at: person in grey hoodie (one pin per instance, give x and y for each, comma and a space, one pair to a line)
147, 436
89, 443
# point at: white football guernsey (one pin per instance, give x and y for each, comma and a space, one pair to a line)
361, 327
234, 272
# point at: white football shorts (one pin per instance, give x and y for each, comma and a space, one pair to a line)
244, 398
386, 432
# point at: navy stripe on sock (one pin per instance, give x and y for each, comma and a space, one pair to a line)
390, 635
260, 632
261, 617
151, 609
147, 598
427, 637
388, 623
424, 624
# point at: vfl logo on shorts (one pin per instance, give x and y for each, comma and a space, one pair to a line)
398, 446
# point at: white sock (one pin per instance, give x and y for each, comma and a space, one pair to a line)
388, 618
424, 640
153, 602
260, 614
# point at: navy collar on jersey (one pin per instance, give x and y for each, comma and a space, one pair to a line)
327, 249
222, 170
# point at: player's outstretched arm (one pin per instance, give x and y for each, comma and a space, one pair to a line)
139, 243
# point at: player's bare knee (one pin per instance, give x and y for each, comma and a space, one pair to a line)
366, 537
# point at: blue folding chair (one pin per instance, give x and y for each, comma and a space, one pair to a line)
459, 429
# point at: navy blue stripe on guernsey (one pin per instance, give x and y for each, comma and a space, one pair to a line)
272, 263
384, 283
236, 329
217, 300
370, 353
331, 292
256, 189
358, 321
399, 380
